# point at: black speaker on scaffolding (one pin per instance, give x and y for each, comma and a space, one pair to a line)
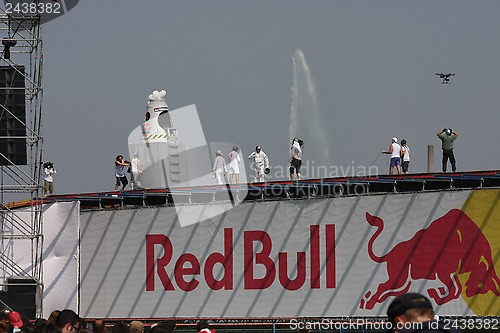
12, 116
22, 294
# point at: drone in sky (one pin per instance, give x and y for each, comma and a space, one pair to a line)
445, 77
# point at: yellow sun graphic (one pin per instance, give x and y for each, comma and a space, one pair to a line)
483, 207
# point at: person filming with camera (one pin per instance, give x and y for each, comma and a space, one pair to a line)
48, 183
447, 137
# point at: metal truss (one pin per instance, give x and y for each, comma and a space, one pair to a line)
22, 228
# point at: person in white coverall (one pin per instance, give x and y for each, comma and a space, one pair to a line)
261, 164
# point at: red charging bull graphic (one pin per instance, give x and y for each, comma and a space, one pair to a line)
452, 245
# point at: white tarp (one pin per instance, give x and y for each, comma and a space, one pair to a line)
60, 251
290, 258
60, 264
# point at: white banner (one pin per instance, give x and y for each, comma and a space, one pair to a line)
331, 257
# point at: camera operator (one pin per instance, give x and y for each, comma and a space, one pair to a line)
48, 184
447, 137
296, 158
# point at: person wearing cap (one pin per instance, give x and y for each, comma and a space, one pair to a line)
413, 312
204, 327
15, 320
447, 137
261, 164
135, 166
234, 165
395, 152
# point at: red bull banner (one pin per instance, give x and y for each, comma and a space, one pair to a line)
346, 256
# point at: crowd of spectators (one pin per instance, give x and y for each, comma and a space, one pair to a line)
67, 321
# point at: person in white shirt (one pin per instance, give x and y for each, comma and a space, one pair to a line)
48, 184
395, 152
234, 165
136, 172
120, 170
405, 153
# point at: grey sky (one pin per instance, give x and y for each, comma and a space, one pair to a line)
373, 64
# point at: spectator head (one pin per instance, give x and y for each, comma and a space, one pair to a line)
204, 327
4, 327
98, 326
46, 327
15, 319
53, 316
120, 328
4, 315
170, 325
409, 308
165, 327
68, 321
136, 327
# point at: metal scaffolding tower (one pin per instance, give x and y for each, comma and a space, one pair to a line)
21, 61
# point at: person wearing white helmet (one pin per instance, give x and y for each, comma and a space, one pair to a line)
261, 164
395, 152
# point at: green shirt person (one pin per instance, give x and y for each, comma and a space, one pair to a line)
448, 137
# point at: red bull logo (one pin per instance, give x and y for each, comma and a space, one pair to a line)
452, 246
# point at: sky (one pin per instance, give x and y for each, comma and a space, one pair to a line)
371, 66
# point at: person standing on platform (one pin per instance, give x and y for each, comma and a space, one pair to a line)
219, 169
234, 165
136, 172
405, 155
261, 164
120, 169
394, 151
447, 137
296, 158
48, 183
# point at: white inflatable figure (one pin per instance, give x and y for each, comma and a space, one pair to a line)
157, 143
155, 128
